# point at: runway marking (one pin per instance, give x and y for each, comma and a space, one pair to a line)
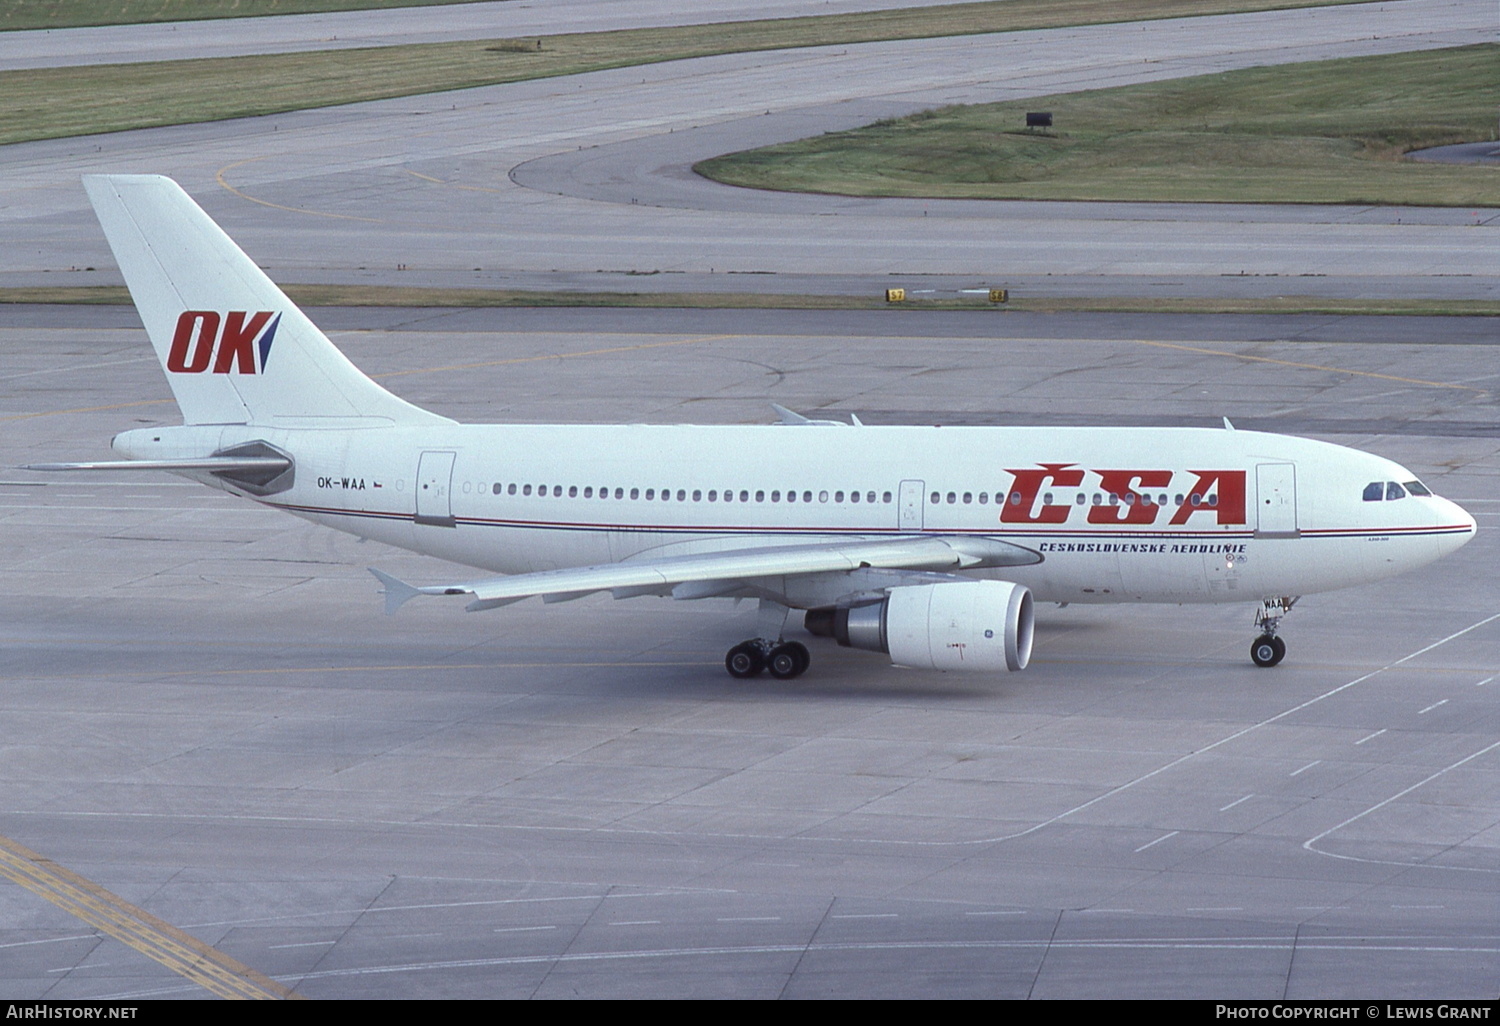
219, 177
555, 356
451, 185
1482, 945
1434, 705
159, 940
1306, 366
86, 409
1152, 844
1120, 789
1371, 737
351, 669
1309, 844
1236, 802
522, 929
1304, 769
1484, 682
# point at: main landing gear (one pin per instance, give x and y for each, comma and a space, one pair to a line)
783, 659
1268, 649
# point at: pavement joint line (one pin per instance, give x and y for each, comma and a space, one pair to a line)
612, 350
155, 938
1308, 366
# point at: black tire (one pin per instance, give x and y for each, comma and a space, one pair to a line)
1267, 650
745, 661
788, 660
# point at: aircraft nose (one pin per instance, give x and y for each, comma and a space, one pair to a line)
1460, 523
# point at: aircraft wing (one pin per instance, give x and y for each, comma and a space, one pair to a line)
715, 573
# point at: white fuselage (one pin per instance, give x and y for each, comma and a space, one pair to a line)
1112, 514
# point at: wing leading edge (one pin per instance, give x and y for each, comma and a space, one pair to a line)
718, 573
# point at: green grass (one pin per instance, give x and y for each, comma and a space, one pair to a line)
1324, 132
58, 102
49, 14
401, 296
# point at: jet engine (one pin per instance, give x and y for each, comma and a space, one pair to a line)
961, 625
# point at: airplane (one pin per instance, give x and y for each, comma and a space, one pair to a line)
929, 544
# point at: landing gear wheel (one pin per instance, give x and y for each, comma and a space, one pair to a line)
788, 660
745, 660
1267, 650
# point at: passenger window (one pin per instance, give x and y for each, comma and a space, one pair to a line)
510, 490
838, 496
635, 493
884, 497
936, 498
572, 491
760, 496
1374, 491
1394, 491
744, 495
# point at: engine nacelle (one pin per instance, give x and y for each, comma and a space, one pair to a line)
962, 625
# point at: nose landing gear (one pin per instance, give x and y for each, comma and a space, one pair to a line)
1268, 649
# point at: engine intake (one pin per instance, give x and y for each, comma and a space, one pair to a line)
962, 625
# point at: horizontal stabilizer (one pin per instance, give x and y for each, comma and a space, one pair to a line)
207, 464
397, 592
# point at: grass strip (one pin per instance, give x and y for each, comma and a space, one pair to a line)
402, 296
16, 15
1322, 132
54, 103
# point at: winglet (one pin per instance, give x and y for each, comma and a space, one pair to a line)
397, 592
1228, 426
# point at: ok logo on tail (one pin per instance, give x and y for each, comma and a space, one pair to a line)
241, 347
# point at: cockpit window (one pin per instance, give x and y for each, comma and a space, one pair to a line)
1374, 491
1394, 491
1417, 488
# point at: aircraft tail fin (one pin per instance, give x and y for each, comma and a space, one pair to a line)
234, 348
